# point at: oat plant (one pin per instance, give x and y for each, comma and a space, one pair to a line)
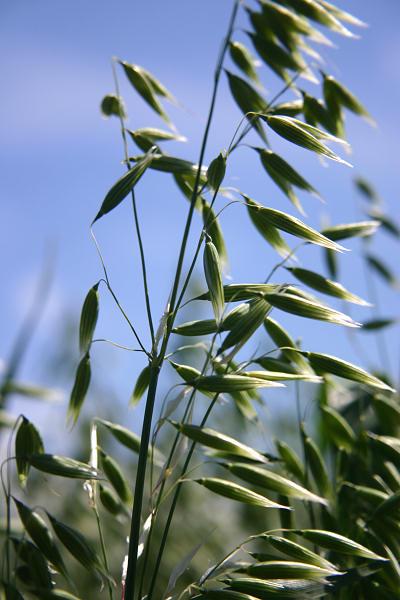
320, 523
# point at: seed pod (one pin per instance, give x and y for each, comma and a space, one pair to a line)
248, 100
282, 339
144, 85
231, 383
247, 324
237, 292
269, 233
326, 286
214, 230
77, 545
295, 227
216, 171
243, 59
110, 501
336, 93
212, 272
304, 135
237, 492
80, 388
272, 481
338, 543
141, 385
280, 569
63, 466
41, 535
338, 429
112, 105
309, 309
298, 552
188, 374
89, 314
282, 376
130, 440
115, 476
34, 559
349, 230
214, 439
285, 177
317, 466
27, 442
291, 460
325, 363
197, 328
146, 137
382, 270
285, 588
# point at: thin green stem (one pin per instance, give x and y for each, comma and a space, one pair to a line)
157, 362
103, 551
106, 281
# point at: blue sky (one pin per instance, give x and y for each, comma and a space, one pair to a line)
59, 157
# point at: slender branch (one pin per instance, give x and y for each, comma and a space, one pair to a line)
135, 213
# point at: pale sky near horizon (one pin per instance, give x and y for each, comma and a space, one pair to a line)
59, 157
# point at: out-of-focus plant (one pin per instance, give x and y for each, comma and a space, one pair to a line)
323, 523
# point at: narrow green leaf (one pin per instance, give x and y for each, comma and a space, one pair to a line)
326, 286
27, 442
141, 385
367, 190
80, 388
233, 491
62, 466
124, 185
272, 481
338, 543
89, 315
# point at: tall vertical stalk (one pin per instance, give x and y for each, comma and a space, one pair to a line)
158, 360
